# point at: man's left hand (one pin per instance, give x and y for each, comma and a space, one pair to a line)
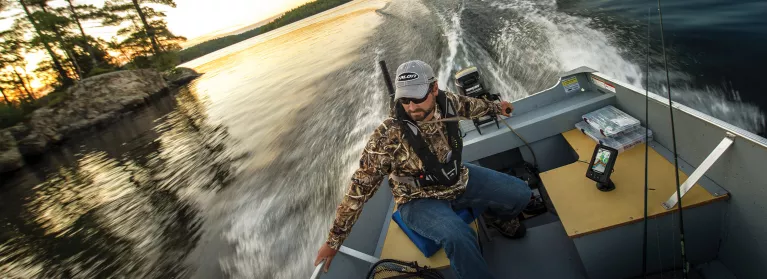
506, 108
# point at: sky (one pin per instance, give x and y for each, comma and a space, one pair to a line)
194, 18
190, 18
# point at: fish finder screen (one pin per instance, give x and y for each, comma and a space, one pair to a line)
600, 162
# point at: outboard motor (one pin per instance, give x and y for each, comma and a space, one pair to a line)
469, 83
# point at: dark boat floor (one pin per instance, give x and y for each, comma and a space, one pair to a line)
545, 251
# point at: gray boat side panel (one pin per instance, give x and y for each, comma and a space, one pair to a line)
364, 236
537, 115
715, 269
544, 252
551, 95
541, 100
346, 267
744, 248
708, 184
580, 70
617, 253
575, 103
385, 227
623, 88
740, 171
521, 106
536, 125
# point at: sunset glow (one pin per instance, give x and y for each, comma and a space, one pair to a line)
194, 18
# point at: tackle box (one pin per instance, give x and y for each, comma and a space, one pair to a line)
622, 141
610, 121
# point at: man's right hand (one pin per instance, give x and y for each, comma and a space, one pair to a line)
326, 253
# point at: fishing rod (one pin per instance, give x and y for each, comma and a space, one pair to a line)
387, 81
646, 147
685, 264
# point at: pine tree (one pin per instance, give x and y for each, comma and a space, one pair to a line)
63, 76
148, 26
51, 22
76, 11
117, 46
12, 56
7, 102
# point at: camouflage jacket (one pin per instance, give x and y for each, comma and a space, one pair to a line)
388, 153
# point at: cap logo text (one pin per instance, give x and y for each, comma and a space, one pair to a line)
407, 76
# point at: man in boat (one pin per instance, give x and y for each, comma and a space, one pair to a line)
421, 155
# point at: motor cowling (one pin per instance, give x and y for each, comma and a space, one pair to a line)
469, 83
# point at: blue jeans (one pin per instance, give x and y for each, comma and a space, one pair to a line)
500, 193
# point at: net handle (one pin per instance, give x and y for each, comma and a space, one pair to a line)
316, 273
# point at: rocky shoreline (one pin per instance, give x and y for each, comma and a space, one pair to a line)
93, 102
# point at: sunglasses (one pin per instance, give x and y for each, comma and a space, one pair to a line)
406, 101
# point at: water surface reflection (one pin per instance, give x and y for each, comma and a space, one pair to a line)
125, 201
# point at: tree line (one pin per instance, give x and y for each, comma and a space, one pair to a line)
289, 17
143, 41
71, 54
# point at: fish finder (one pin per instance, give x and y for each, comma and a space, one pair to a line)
601, 166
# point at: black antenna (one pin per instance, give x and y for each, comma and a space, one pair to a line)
685, 264
646, 146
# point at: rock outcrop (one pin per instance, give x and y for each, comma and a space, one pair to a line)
10, 158
93, 101
180, 76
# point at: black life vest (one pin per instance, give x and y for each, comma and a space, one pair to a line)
434, 172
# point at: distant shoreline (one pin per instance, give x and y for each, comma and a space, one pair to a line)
227, 32
299, 13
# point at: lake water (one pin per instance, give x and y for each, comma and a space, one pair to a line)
237, 174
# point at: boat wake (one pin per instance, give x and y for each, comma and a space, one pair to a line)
524, 45
240, 172
521, 46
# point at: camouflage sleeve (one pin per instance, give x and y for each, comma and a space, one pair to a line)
472, 107
374, 165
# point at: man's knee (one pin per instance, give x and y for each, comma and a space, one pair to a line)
519, 191
458, 235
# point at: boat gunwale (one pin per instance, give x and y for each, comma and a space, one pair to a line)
739, 132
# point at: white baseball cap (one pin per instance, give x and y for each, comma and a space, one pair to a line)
413, 79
